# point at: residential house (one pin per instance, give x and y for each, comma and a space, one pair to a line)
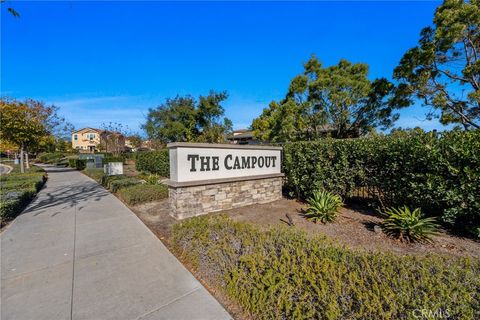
243, 136
89, 140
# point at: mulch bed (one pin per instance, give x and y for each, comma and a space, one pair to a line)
354, 227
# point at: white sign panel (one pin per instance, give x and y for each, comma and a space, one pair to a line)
198, 161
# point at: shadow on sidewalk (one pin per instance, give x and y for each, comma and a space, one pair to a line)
66, 197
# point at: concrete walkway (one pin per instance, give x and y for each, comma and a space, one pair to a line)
78, 253
5, 169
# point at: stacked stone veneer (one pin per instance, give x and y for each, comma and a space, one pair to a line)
197, 200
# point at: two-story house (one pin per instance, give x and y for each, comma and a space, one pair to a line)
91, 140
86, 139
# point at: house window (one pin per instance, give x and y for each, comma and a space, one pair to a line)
75, 137
91, 136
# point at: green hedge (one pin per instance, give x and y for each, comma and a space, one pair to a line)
438, 172
78, 164
18, 189
143, 193
115, 183
154, 162
283, 273
94, 173
50, 157
113, 159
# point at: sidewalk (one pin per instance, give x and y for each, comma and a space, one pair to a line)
78, 253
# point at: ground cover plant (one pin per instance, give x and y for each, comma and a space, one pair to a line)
142, 193
94, 173
115, 183
281, 273
50, 157
18, 189
409, 225
323, 206
437, 172
156, 162
131, 190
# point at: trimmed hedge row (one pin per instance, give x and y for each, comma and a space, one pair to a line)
282, 273
154, 162
50, 157
438, 172
18, 189
142, 193
78, 164
115, 183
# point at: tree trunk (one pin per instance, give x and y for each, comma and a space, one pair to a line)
22, 166
27, 160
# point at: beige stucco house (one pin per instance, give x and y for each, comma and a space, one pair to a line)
91, 140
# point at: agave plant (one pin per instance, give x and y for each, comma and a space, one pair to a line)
407, 225
323, 206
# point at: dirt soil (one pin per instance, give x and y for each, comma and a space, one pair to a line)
355, 227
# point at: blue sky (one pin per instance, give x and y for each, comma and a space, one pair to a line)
111, 61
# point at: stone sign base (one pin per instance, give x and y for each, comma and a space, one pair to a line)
194, 199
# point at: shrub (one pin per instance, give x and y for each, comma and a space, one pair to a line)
437, 172
72, 162
282, 273
50, 157
323, 206
78, 164
94, 173
118, 184
152, 179
18, 189
410, 226
154, 162
113, 159
142, 193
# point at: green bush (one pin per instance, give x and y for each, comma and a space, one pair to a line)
115, 183
118, 184
437, 172
282, 273
50, 157
154, 162
407, 225
18, 189
323, 206
142, 193
94, 173
113, 159
78, 164
72, 162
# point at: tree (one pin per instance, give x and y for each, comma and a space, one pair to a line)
174, 120
112, 138
22, 124
12, 11
135, 140
210, 122
339, 99
183, 119
31, 125
443, 71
